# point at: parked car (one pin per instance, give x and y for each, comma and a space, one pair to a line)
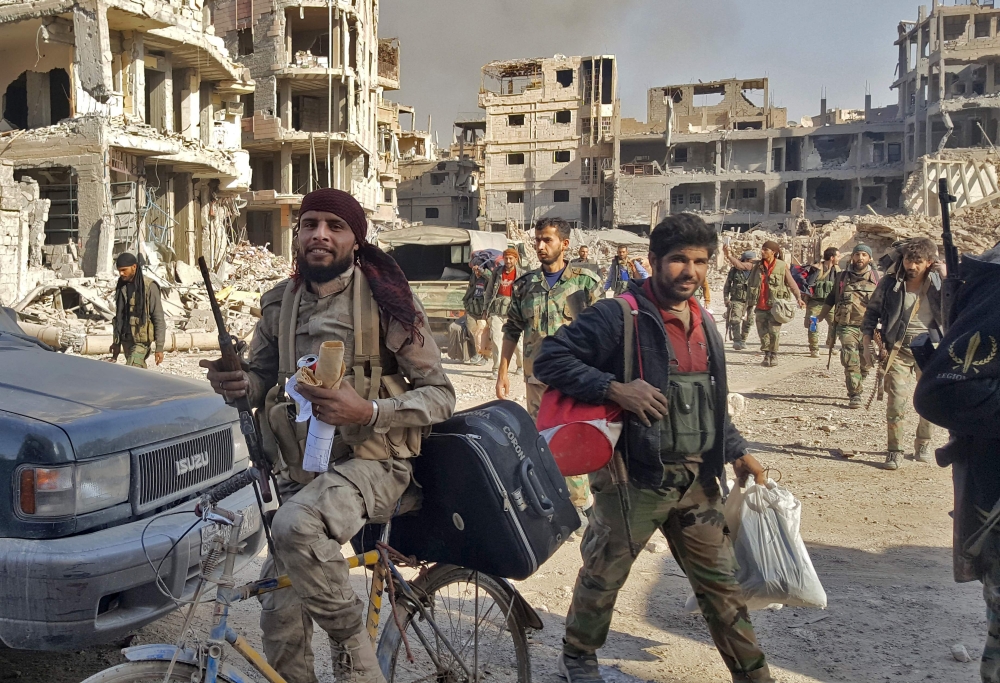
100, 466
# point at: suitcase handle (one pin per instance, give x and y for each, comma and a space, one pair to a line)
533, 491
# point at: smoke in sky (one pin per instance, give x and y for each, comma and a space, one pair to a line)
802, 45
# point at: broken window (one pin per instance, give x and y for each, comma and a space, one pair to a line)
564, 116
983, 26
676, 199
438, 178
431, 212
515, 159
588, 165
564, 77
515, 196
515, 120
563, 156
680, 155
606, 127
694, 198
894, 152
954, 27
585, 126
560, 196
244, 38
749, 193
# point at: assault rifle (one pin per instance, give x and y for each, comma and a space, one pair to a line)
880, 369
952, 283
230, 362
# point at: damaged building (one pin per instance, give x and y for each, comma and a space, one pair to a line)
551, 126
722, 150
126, 114
314, 119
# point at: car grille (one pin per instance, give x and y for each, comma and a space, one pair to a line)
173, 470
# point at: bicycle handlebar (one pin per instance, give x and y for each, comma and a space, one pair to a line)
229, 487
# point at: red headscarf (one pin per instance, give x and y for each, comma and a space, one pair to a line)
388, 283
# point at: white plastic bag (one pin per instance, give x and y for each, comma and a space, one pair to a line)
774, 563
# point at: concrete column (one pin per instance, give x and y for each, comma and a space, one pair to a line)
768, 167
276, 170
137, 75
92, 56
168, 93
282, 232
858, 150
285, 104
289, 54
928, 137
190, 85
303, 175
285, 184
94, 217
186, 215
39, 102
206, 116
718, 197
991, 69
718, 157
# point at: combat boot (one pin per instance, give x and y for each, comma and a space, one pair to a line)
774, 359
354, 660
761, 675
814, 353
581, 669
767, 359
923, 453
893, 461
855, 402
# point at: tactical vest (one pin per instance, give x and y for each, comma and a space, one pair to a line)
142, 333
823, 287
739, 285
853, 295
777, 287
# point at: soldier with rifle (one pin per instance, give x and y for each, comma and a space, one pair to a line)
735, 293
852, 289
906, 304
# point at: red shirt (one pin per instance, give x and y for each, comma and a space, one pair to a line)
506, 282
689, 346
765, 287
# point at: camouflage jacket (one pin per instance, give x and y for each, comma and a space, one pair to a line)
536, 311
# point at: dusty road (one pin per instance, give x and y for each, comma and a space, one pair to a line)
880, 542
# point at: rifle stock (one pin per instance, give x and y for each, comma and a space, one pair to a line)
230, 362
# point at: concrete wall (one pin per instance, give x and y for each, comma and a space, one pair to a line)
13, 238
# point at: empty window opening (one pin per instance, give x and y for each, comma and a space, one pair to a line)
560, 196
563, 157
680, 155
677, 95
983, 26
749, 125
954, 27
156, 99
515, 120
709, 95
515, 159
777, 155
515, 196
878, 153
59, 95
871, 196
833, 149
244, 39
438, 178
564, 116
894, 152
833, 194
15, 102
431, 212
387, 197
564, 77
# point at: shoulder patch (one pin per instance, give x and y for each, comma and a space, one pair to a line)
274, 295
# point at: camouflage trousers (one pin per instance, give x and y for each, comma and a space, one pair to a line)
989, 565
813, 308
135, 354
769, 331
579, 487
898, 386
309, 529
690, 517
852, 358
739, 325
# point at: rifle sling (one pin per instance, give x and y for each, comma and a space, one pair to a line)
913, 312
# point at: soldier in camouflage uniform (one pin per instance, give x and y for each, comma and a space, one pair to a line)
820, 281
542, 301
735, 293
666, 473
139, 322
852, 290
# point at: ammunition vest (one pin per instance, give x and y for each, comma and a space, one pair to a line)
823, 287
739, 285
853, 295
689, 428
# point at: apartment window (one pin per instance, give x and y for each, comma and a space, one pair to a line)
585, 125
438, 178
564, 77
564, 116
388, 195
749, 193
894, 152
606, 127
244, 39
694, 198
676, 199
515, 196
878, 153
515, 120
732, 193
563, 157
680, 155
560, 196
515, 159
432, 212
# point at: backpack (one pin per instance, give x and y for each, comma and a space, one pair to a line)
801, 276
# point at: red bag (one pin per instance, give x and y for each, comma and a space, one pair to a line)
582, 436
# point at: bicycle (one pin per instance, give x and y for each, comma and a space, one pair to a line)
474, 604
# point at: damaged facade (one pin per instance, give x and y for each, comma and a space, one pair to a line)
722, 150
314, 119
127, 116
551, 126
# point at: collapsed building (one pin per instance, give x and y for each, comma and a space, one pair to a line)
315, 119
127, 115
721, 149
551, 126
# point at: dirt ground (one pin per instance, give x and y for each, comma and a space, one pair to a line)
880, 542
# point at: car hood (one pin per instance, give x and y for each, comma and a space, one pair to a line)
104, 408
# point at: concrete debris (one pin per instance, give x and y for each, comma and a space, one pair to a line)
657, 547
960, 654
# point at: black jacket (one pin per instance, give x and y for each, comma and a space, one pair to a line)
886, 307
584, 357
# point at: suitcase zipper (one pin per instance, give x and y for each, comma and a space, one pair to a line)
508, 508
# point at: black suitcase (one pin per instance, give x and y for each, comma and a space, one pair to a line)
494, 499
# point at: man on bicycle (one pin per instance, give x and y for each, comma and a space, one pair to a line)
343, 289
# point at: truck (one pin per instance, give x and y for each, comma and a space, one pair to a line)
101, 466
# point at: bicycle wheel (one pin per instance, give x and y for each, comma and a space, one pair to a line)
146, 672
487, 632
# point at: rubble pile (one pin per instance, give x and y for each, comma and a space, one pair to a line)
974, 230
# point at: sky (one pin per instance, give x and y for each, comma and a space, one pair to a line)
803, 46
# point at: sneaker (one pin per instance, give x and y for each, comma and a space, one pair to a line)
923, 453
494, 374
814, 353
855, 402
736, 346
893, 461
582, 669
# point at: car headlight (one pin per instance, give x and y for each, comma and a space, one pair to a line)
241, 454
74, 489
